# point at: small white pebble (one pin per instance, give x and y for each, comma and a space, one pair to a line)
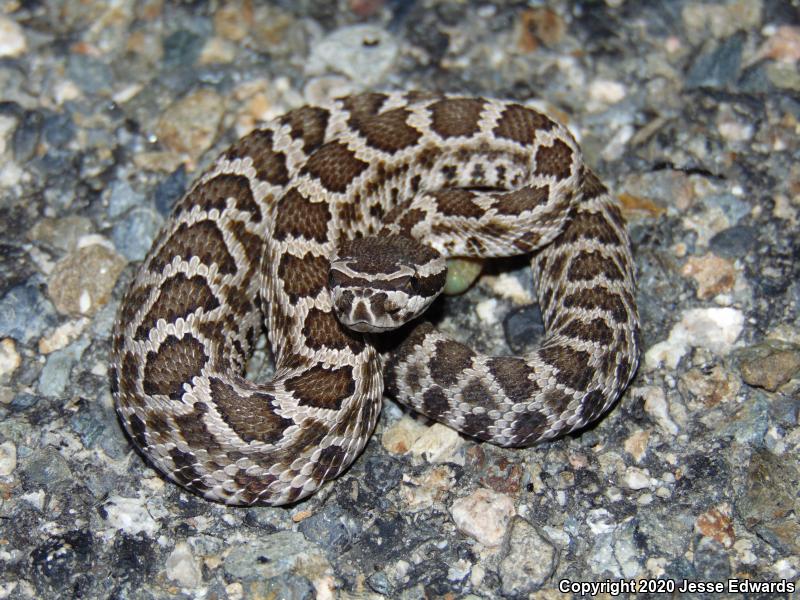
9, 357
655, 404
12, 38
606, 91
483, 515
85, 302
183, 567
487, 311
8, 458
636, 479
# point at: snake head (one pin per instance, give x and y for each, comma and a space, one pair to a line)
381, 282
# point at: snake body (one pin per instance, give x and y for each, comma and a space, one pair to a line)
260, 238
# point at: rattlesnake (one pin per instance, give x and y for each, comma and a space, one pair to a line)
257, 237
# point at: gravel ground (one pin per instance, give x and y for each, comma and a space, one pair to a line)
689, 110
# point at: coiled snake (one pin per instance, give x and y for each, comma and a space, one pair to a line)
342, 215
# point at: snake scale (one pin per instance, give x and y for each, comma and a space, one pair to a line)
333, 221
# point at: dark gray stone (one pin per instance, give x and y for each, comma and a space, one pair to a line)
717, 67
734, 242
523, 328
134, 234
25, 313
169, 190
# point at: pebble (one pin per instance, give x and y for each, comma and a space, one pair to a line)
769, 364
719, 66
717, 523
655, 405
401, 435
429, 489
169, 190
636, 444
8, 458
61, 233
25, 313
540, 25
439, 444
636, 479
181, 48
461, 274
183, 567
129, 515
710, 561
710, 386
529, 560
523, 328
714, 275
55, 375
270, 556
62, 335
9, 358
734, 242
782, 45
483, 515
770, 497
331, 528
47, 468
133, 235
364, 53
715, 329
90, 74
122, 197
189, 125
82, 281
605, 92
12, 38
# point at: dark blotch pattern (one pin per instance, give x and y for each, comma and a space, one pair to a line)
321, 387
434, 403
572, 366
252, 415
215, 194
270, 165
175, 362
335, 166
590, 226
449, 359
388, 131
179, 296
323, 330
554, 160
307, 123
601, 298
297, 216
512, 375
477, 425
329, 463
521, 200
203, 240
597, 331
455, 117
521, 124
303, 277
457, 203
192, 427
588, 265
528, 426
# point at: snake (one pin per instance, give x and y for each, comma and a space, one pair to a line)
329, 226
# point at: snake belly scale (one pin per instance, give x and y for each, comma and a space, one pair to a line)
254, 240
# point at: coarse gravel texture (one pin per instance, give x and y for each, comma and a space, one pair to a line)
689, 111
